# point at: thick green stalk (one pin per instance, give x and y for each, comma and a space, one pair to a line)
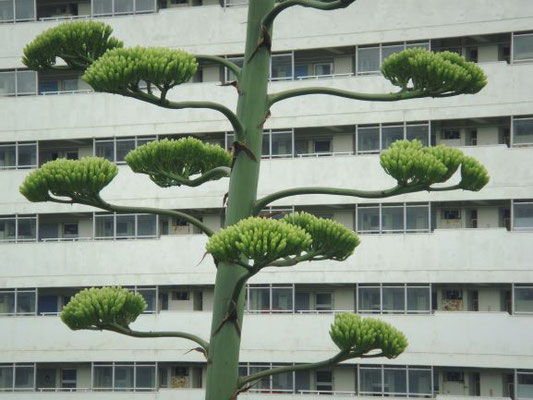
224, 347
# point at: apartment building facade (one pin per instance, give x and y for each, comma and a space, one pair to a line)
453, 270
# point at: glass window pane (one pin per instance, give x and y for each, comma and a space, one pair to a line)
126, 226
123, 148
124, 377
264, 383
105, 149
103, 377
420, 382
369, 299
393, 299
123, 6
419, 132
282, 382
8, 156
230, 76
26, 302
390, 135
7, 304
27, 155
523, 131
370, 380
523, 298
144, 140
150, 297
322, 146
368, 219
368, 139
27, 229
523, 47
146, 225
395, 381
303, 381
281, 67
104, 226
6, 372
417, 218
392, 219
102, 7
26, 82
265, 147
523, 216
145, 378
24, 10
282, 144
323, 301
323, 69
7, 229
24, 378
368, 60
7, 82
282, 299
6, 14
388, 50
417, 299
422, 45
525, 385
259, 299
144, 5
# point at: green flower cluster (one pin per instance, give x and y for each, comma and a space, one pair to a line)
80, 180
261, 240
97, 308
330, 239
172, 162
433, 73
79, 44
120, 69
411, 163
358, 335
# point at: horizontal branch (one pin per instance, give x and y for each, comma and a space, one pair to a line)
268, 20
214, 173
163, 334
402, 95
222, 61
363, 194
163, 102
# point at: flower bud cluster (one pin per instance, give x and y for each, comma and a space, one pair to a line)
77, 179
96, 308
329, 238
183, 158
411, 163
78, 43
120, 69
433, 73
258, 239
359, 335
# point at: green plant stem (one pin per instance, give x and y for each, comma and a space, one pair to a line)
402, 95
318, 4
225, 340
340, 357
104, 205
363, 194
222, 61
163, 334
162, 102
212, 174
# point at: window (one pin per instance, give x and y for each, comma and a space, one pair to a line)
454, 376
123, 376
125, 226
522, 131
522, 215
324, 381
522, 47
368, 139
451, 214
120, 7
368, 61
229, 75
323, 301
323, 69
6, 376
393, 218
452, 294
524, 382
523, 299
68, 378
17, 10
450, 134
70, 230
17, 82
373, 138
18, 155
116, 149
181, 295
18, 229
281, 67
270, 298
150, 296
395, 381
17, 301
279, 143
322, 146
24, 377
393, 298
418, 132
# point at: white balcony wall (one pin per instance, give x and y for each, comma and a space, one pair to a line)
438, 339
365, 22
113, 115
450, 256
